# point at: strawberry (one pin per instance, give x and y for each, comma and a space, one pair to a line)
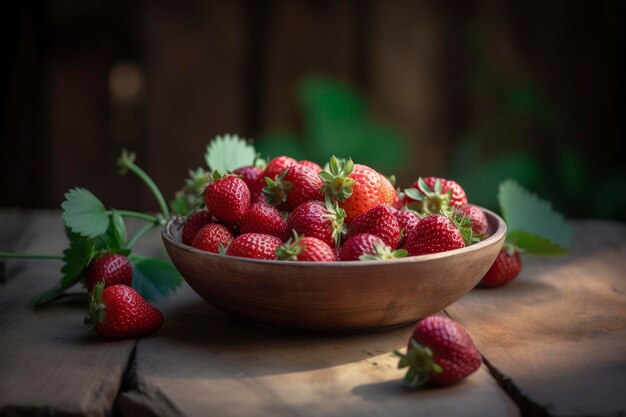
277, 166
194, 223
408, 221
379, 221
390, 196
263, 218
356, 187
434, 234
119, 312
211, 237
227, 198
434, 195
476, 216
311, 165
110, 269
367, 247
306, 248
507, 266
296, 185
254, 245
253, 177
440, 352
316, 219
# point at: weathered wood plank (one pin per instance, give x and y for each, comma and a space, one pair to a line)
49, 363
204, 362
558, 332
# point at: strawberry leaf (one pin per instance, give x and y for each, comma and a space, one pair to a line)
75, 259
154, 278
84, 214
229, 152
115, 236
533, 225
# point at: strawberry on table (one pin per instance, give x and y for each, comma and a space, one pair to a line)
506, 267
433, 195
211, 237
305, 248
367, 247
263, 218
227, 197
119, 312
254, 245
109, 269
440, 352
434, 234
324, 221
194, 223
296, 185
379, 221
278, 165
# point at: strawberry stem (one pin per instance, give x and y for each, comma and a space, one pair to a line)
137, 215
7, 255
126, 162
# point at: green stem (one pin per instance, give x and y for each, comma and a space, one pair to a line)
136, 214
148, 181
140, 234
6, 255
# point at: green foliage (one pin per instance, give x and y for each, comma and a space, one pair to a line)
336, 121
154, 278
84, 214
532, 224
228, 152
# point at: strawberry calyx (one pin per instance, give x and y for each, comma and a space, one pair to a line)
96, 308
511, 249
337, 217
464, 224
383, 252
337, 183
427, 200
421, 363
290, 250
276, 189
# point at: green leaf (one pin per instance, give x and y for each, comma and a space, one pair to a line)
228, 152
115, 236
532, 224
154, 278
84, 213
75, 259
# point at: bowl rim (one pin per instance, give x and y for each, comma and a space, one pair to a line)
499, 233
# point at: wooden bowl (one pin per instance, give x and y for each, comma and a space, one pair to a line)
334, 296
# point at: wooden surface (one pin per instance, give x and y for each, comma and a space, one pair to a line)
555, 339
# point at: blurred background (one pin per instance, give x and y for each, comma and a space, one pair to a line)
477, 91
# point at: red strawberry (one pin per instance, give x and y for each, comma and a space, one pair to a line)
435, 195
379, 221
316, 219
194, 223
263, 218
440, 352
390, 197
366, 247
358, 188
119, 312
254, 245
507, 266
311, 165
476, 216
296, 185
408, 221
253, 177
111, 269
277, 166
227, 198
434, 234
211, 237
305, 248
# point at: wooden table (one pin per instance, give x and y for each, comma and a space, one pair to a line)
554, 343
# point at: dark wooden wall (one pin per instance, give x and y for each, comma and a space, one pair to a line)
211, 67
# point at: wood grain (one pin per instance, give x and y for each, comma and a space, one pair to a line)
205, 362
558, 332
49, 362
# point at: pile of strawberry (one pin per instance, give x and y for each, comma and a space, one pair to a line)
295, 210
